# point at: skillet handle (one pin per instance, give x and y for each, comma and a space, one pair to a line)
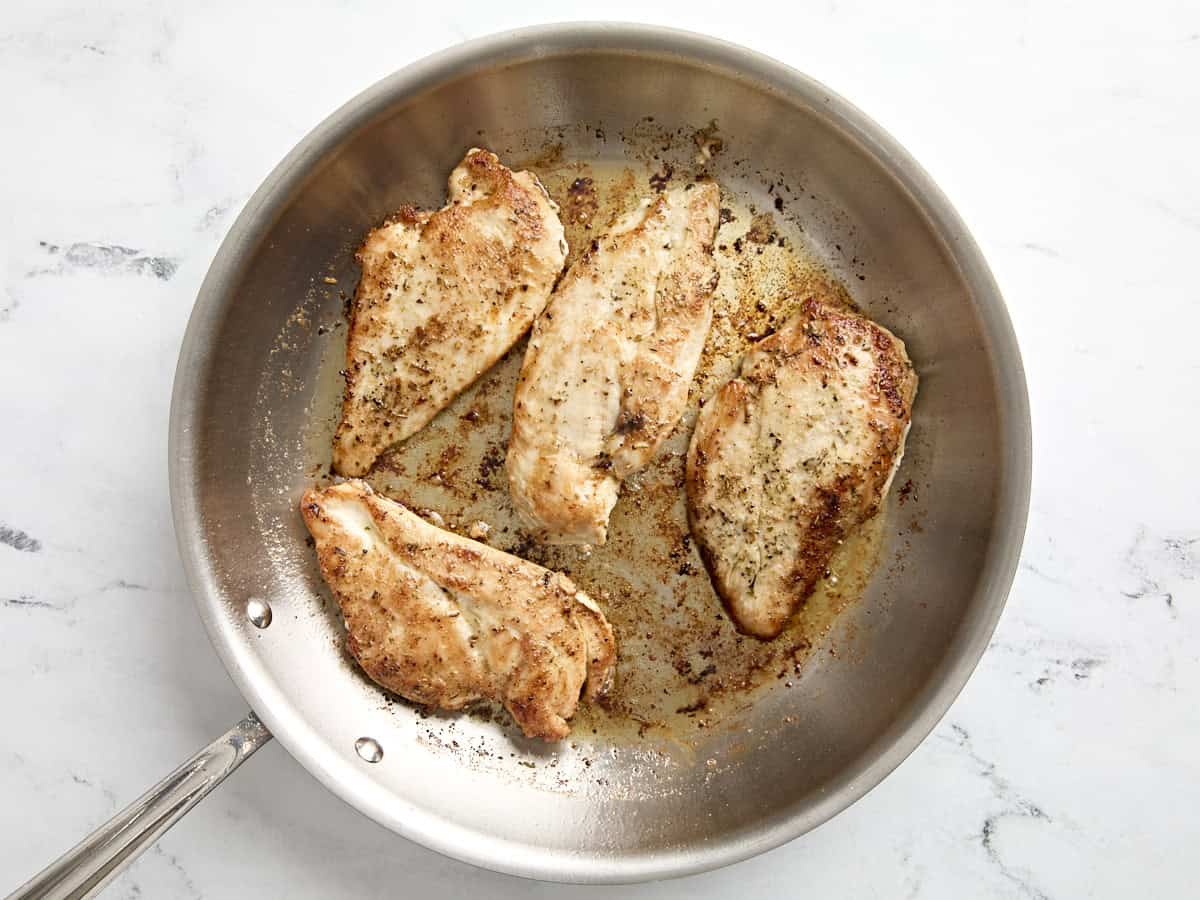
97, 859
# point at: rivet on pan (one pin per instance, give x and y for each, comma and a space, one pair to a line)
369, 749
258, 612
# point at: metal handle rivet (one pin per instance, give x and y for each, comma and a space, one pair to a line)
258, 612
369, 749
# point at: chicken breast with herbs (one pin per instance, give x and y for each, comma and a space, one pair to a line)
792, 455
443, 295
444, 620
609, 364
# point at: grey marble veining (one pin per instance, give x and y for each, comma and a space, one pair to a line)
1067, 137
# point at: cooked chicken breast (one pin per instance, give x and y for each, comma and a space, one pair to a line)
443, 295
792, 455
609, 363
444, 620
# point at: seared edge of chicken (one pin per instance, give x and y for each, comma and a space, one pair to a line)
444, 620
609, 364
443, 295
792, 455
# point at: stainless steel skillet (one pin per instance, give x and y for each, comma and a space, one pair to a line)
249, 377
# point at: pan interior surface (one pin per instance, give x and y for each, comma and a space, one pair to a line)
259, 366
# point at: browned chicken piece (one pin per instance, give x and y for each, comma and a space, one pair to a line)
444, 620
792, 455
609, 364
443, 295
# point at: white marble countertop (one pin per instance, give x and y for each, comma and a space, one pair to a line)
1069, 139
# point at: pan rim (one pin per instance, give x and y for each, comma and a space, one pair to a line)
995, 577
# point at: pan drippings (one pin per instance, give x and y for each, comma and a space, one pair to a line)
682, 665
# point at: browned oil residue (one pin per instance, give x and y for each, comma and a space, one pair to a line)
682, 665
